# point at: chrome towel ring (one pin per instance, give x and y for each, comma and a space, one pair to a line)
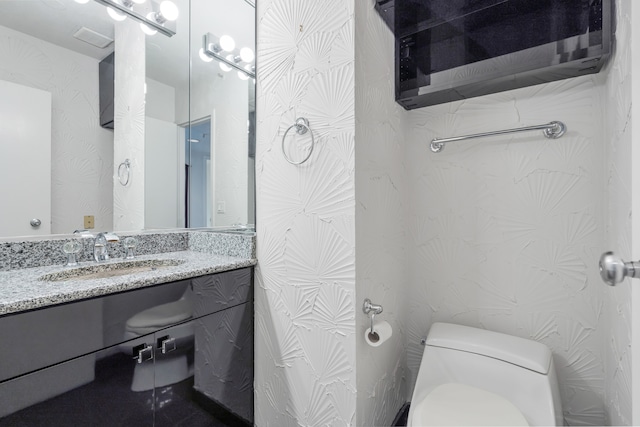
302, 126
127, 168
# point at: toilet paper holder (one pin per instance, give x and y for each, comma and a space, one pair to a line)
371, 309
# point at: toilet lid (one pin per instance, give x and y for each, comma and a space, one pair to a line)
454, 404
152, 319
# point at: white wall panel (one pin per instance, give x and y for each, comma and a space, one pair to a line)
618, 221
129, 115
305, 280
382, 266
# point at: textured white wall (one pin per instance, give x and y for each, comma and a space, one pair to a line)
506, 231
382, 267
502, 233
81, 151
305, 295
618, 196
128, 139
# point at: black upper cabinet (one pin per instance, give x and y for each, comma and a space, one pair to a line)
448, 50
106, 73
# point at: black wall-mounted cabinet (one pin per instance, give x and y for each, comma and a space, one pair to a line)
447, 50
106, 78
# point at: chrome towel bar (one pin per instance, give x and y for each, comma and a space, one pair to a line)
551, 130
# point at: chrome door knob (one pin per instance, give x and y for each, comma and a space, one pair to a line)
613, 269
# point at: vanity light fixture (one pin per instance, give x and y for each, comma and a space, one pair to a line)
153, 17
115, 15
204, 56
223, 49
247, 55
227, 43
147, 29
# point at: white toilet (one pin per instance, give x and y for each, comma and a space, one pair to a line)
471, 376
173, 366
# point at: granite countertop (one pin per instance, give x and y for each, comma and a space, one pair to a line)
22, 289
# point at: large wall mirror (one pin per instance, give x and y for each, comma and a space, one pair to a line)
181, 150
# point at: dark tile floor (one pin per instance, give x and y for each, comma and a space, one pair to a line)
109, 402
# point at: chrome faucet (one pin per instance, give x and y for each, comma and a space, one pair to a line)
100, 252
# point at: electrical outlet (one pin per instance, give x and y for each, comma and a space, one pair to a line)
89, 222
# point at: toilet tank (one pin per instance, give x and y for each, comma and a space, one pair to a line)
517, 369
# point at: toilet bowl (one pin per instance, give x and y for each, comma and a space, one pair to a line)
471, 376
166, 368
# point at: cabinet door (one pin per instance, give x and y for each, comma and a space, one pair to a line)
224, 360
218, 357
92, 390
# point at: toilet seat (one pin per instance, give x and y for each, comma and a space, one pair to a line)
452, 404
158, 317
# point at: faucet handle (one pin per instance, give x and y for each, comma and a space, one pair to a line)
71, 248
129, 247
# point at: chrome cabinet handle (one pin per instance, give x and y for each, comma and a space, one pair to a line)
166, 344
35, 222
613, 269
143, 352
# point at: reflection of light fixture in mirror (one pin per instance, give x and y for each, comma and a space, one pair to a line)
223, 65
160, 19
147, 29
227, 43
213, 47
82, 1
246, 54
115, 15
204, 56
168, 11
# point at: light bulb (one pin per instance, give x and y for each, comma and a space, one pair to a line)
204, 56
242, 76
224, 67
227, 43
246, 54
169, 10
138, 1
115, 15
82, 1
147, 29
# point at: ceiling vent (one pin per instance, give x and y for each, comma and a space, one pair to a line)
93, 38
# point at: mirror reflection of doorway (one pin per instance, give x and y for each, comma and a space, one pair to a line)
199, 183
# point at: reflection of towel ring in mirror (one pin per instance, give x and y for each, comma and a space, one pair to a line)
127, 168
302, 126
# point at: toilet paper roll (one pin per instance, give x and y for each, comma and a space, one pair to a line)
381, 332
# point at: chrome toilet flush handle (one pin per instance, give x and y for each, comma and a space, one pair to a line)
613, 269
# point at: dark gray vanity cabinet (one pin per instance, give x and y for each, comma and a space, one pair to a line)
70, 364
